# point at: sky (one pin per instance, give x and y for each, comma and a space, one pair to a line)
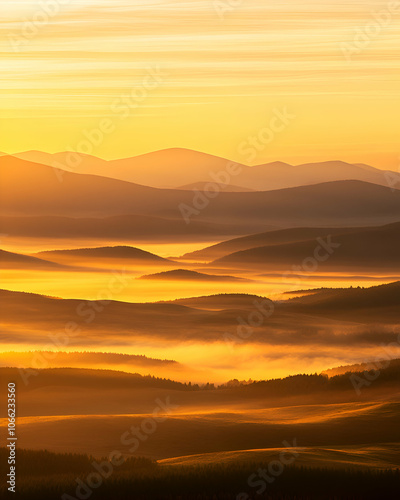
131, 76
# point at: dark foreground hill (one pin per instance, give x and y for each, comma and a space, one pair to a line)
239, 480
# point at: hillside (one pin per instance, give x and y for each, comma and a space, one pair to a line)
117, 252
272, 237
131, 228
186, 275
367, 249
181, 168
331, 318
11, 260
344, 203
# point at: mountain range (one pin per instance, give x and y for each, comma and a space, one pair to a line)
337, 203
187, 169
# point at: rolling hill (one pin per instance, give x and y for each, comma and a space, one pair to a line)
132, 228
128, 363
342, 299
279, 175
186, 275
90, 410
203, 186
11, 260
368, 249
341, 203
220, 302
118, 252
177, 167
272, 237
332, 317
89, 358
167, 168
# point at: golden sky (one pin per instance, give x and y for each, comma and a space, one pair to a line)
205, 75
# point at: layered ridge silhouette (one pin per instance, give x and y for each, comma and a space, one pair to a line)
346, 203
225, 419
12, 260
187, 275
373, 248
339, 317
115, 228
119, 253
272, 237
187, 169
